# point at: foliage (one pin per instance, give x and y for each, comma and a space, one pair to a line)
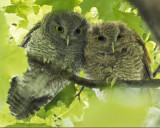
19, 16
13, 60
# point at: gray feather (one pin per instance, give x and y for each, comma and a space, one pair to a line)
48, 54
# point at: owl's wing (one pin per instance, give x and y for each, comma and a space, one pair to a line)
28, 36
35, 90
146, 60
22, 101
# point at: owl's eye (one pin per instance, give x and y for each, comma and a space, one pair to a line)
78, 31
120, 36
59, 29
101, 38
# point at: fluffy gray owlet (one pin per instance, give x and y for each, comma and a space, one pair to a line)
115, 51
55, 43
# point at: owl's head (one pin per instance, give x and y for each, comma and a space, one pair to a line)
65, 27
111, 36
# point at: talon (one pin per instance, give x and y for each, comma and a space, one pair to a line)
44, 60
69, 70
48, 61
64, 67
111, 81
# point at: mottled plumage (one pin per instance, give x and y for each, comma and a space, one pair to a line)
115, 51
54, 44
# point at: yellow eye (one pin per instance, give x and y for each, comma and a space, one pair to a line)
59, 29
78, 31
101, 38
120, 36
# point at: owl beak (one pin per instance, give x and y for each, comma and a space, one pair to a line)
113, 47
67, 40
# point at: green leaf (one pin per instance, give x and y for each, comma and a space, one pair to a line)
29, 125
42, 113
66, 96
21, 8
3, 32
15, 1
36, 9
23, 24
4, 3
13, 60
114, 10
105, 7
129, 19
59, 4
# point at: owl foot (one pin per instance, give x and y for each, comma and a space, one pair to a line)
64, 67
79, 93
111, 81
69, 70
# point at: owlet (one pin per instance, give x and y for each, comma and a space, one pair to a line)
54, 44
115, 51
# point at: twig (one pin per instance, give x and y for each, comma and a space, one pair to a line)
157, 71
79, 93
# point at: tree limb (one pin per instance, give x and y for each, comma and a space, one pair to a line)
155, 83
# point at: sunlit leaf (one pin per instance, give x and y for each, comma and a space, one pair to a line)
21, 8
6, 118
28, 125
59, 4
105, 7
4, 3
66, 96
13, 60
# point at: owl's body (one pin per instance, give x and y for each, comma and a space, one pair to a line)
115, 51
54, 44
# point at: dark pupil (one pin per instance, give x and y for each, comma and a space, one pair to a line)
120, 36
101, 38
60, 29
78, 31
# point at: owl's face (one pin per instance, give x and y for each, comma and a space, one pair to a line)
107, 41
68, 28
110, 36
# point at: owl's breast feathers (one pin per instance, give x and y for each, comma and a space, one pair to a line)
135, 64
131, 64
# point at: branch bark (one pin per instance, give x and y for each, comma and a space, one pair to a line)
155, 83
150, 10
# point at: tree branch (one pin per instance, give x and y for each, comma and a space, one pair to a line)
155, 83
150, 10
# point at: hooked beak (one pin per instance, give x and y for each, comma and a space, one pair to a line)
67, 40
113, 45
